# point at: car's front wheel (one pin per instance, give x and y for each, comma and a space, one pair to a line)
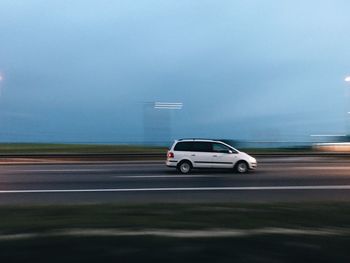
184, 167
241, 167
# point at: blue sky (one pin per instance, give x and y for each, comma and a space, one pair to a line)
80, 71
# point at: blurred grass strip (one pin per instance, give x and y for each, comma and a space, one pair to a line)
20, 219
29, 148
42, 148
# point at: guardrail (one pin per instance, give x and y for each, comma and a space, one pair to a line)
88, 156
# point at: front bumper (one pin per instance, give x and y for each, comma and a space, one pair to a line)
253, 165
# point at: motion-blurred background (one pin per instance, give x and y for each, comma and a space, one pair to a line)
254, 71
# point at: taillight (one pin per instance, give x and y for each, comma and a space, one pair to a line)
170, 155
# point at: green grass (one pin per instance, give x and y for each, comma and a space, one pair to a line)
33, 148
280, 150
258, 248
42, 148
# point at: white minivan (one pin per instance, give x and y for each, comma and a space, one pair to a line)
186, 154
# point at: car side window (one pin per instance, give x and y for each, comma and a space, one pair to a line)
184, 146
202, 147
220, 148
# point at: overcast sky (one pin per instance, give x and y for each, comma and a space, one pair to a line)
81, 71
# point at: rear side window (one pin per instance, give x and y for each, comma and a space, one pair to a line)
202, 147
184, 146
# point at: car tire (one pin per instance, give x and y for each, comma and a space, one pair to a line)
184, 167
241, 167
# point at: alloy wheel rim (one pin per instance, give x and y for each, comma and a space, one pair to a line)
242, 167
185, 167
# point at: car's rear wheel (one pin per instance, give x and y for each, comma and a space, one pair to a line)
184, 167
241, 167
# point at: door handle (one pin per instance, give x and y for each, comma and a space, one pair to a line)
193, 155
215, 156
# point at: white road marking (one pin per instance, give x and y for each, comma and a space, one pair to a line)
119, 169
320, 168
248, 188
302, 168
63, 170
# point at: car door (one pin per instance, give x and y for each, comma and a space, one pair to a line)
222, 156
202, 155
183, 150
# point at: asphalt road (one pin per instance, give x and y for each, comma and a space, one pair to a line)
294, 179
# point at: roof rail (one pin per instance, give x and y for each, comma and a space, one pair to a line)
193, 139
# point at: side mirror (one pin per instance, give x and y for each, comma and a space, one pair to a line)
230, 151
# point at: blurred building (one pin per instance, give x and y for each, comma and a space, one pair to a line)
157, 121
